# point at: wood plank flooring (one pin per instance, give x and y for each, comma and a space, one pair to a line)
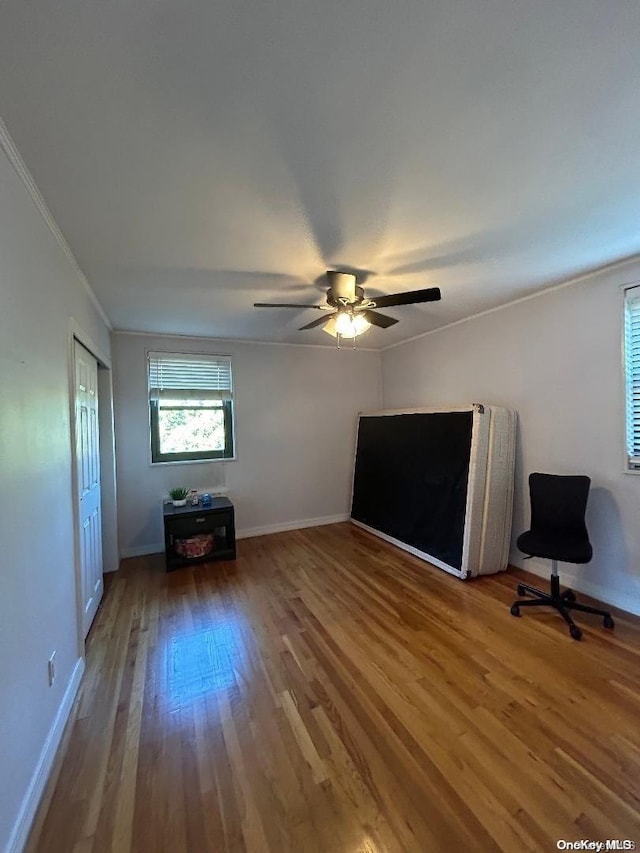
327, 692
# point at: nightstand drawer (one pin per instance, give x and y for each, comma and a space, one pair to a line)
205, 523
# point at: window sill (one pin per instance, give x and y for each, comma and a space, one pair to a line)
193, 462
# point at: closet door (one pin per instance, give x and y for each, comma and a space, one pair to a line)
88, 471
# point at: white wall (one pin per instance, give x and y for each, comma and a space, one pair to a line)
39, 292
556, 359
295, 409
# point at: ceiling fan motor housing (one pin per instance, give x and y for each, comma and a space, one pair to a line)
342, 285
343, 288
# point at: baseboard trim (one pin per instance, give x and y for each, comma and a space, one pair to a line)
574, 579
247, 533
142, 550
300, 524
31, 800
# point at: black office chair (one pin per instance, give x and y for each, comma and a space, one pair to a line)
558, 532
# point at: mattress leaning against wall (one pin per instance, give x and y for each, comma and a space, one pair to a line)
438, 482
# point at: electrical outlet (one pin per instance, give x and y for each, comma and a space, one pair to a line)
52, 669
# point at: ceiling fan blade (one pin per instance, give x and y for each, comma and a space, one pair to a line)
377, 319
410, 297
286, 305
317, 322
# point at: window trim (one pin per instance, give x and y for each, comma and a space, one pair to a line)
625, 288
193, 457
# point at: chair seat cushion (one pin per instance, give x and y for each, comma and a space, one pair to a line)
566, 547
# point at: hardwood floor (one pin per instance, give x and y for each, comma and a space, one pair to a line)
327, 692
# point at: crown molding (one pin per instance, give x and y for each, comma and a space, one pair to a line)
134, 333
565, 282
12, 154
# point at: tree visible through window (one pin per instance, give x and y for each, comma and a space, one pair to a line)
191, 407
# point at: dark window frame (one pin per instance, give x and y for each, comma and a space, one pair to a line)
193, 455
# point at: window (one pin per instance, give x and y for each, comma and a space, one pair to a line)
632, 375
191, 407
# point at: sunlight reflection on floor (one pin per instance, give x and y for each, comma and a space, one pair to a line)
204, 661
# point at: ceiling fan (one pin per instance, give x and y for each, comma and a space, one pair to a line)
352, 313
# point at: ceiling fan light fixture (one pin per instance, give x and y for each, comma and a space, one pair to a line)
350, 325
360, 324
344, 325
330, 327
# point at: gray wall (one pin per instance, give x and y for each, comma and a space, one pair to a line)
40, 291
556, 359
295, 410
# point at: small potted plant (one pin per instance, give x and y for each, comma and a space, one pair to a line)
179, 496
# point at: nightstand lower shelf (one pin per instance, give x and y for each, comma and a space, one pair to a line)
182, 524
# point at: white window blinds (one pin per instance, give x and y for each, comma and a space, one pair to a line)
181, 377
632, 371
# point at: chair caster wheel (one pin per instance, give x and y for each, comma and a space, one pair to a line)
515, 610
569, 595
575, 632
608, 622
521, 590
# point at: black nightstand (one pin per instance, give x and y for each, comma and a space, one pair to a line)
184, 522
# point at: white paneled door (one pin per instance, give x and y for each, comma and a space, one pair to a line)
88, 471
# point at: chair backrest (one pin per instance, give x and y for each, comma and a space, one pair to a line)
559, 502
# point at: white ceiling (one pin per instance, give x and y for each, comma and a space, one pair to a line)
200, 156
